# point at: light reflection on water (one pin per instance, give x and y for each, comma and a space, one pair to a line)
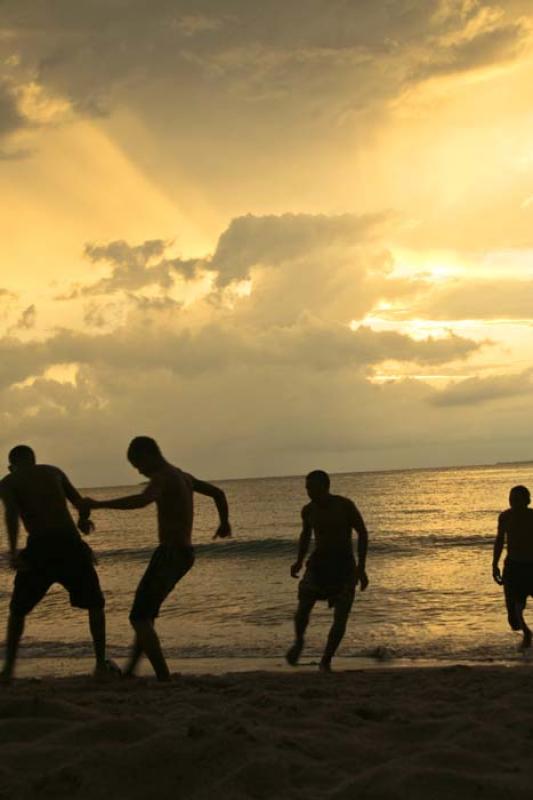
431, 593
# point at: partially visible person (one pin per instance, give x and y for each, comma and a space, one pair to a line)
171, 490
37, 495
332, 572
515, 530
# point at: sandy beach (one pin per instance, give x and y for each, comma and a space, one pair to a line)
449, 732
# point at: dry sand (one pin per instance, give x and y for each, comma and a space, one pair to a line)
457, 732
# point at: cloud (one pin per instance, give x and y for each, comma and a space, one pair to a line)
27, 318
133, 268
479, 391
253, 241
343, 54
10, 117
338, 264
215, 347
477, 299
487, 38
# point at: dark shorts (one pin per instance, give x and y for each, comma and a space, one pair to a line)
167, 566
66, 560
331, 579
518, 586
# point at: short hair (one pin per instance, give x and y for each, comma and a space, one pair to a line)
21, 454
520, 496
143, 446
319, 476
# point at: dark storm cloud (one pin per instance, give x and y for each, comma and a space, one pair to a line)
315, 57
487, 47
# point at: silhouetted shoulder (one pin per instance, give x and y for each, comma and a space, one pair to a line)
503, 519
345, 502
49, 471
6, 484
306, 512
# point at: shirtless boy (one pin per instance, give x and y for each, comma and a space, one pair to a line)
172, 492
37, 494
331, 571
515, 528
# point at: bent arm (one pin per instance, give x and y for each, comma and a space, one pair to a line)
221, 502
498, 545
12, 519
73, 496
303, 542
362, 538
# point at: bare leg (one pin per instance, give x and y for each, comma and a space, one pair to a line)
301, 621
337, 631
15, 629
526, 640
135, 657
97, 626
148, 642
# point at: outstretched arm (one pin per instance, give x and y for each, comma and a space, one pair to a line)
303, 545
209, 490
132, 501
497, 552
362, 546
84, 523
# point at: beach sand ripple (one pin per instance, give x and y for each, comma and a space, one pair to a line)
387, 734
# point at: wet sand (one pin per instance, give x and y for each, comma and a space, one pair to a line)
434, 733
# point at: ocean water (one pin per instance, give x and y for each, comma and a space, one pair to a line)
431, 594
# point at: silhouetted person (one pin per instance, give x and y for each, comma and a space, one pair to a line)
172, 492
515, 528
331, 571
37, 494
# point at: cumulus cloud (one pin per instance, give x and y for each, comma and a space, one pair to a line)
133, 268
252, 241
330, 266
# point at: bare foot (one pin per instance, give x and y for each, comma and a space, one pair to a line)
526, 641
293, 653
5, 678
325, 666
109, 670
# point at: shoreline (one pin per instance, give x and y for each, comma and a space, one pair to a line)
60, 668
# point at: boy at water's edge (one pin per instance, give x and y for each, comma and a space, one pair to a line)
331, 571
37, 494
172, 492
515, 527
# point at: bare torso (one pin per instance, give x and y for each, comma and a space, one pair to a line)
332, 524
518, 527
175, 509
39, 493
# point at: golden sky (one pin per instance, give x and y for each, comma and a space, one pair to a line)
275, 237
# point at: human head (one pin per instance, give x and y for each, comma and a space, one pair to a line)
317, 485
144, 454
21, 456
519, 497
